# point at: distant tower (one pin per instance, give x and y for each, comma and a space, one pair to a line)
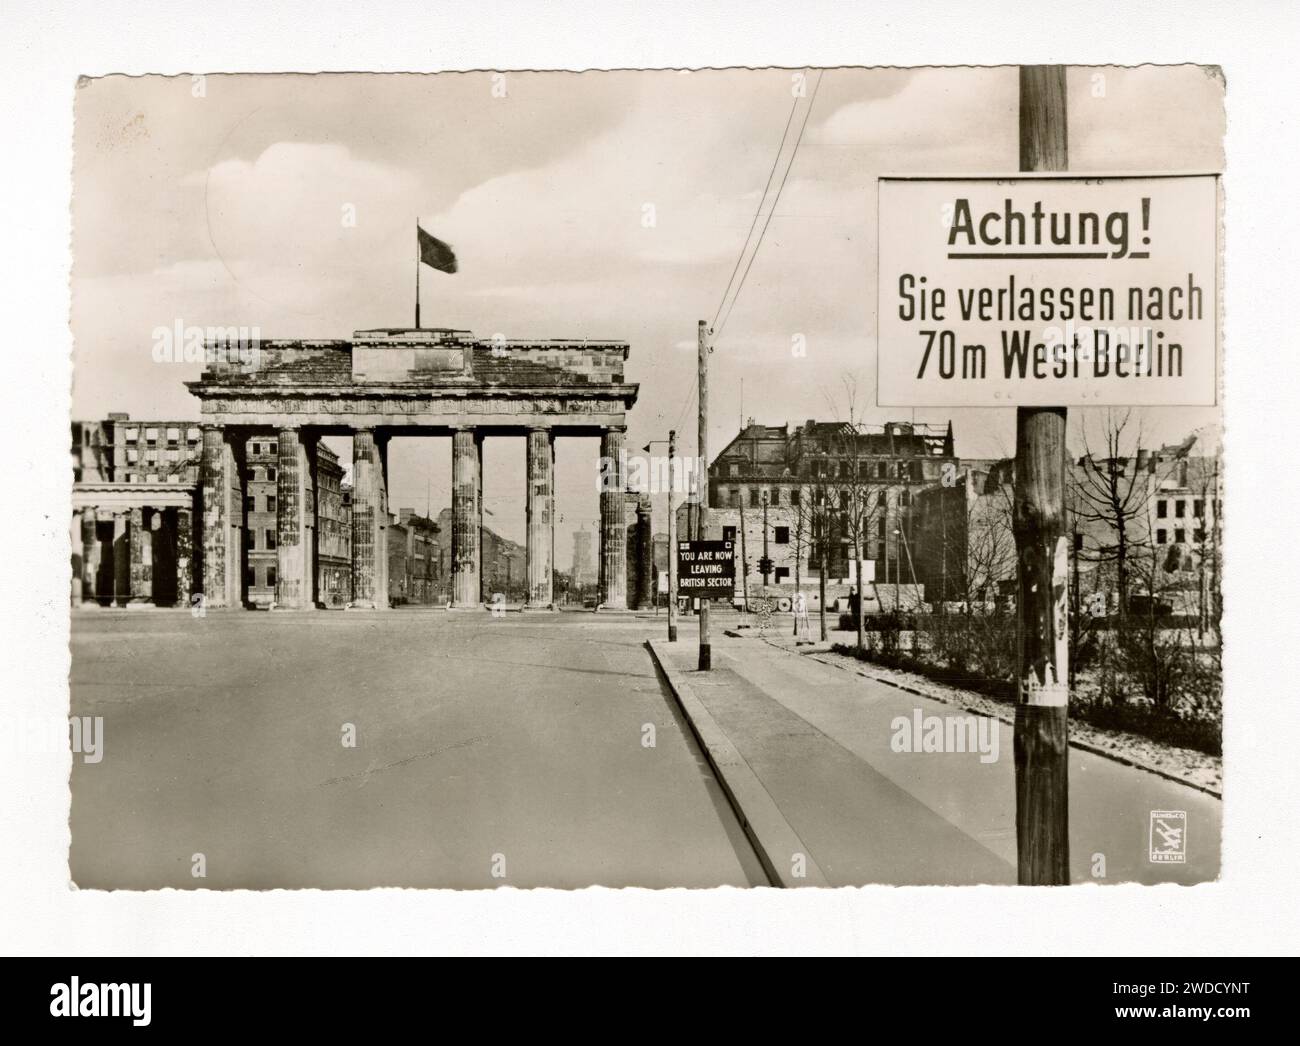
584, 564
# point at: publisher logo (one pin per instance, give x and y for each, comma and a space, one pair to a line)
1168, 836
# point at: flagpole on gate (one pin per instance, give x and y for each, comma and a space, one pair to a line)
417, 272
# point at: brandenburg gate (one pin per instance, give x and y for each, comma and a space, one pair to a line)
418, 382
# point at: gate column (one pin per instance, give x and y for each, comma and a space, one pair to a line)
292, 578
613, 531
541, 518
89, 555
215, 478
466, 519
368, 507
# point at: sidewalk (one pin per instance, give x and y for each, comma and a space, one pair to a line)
805, 749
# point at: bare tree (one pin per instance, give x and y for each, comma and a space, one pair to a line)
1111, 490
856, 491
812, 522
974, 538
990, 542
1208, 601
800, 536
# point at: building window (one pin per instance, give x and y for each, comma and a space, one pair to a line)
774, 499
1198, 535
782, 535
882, 499
1198, 508
1161, 536
250, 503
251, 576
1162, 509
753, 497
880, 528
270, 539
270, 473
1180, 509
728, 533
270, 503
794, 496
270, 577
782, 574
1078, 542
882, 470
1180, 536
273, 448
905, 498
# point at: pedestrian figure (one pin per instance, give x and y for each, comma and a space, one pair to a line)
803, 631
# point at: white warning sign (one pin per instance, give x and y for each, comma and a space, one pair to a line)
1048, 290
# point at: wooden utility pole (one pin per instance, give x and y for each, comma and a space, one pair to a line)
1042, 684
672, 537
702, 510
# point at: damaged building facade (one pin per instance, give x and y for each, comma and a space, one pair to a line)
792, 495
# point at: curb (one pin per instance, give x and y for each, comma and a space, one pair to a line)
770, 833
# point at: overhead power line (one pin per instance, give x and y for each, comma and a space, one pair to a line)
744, 247
757, 211
777, 199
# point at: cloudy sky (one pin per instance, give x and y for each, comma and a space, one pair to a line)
223, 204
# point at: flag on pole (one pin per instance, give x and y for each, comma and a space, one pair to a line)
435, 253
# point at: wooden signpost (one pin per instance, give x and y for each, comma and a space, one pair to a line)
1041, 290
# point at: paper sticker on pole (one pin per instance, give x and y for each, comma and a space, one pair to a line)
1048, 290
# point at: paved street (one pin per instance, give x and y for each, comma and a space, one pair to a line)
476, 737
514, 744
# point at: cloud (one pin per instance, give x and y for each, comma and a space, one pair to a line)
228, 210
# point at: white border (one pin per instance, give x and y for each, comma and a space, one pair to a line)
1252, 910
